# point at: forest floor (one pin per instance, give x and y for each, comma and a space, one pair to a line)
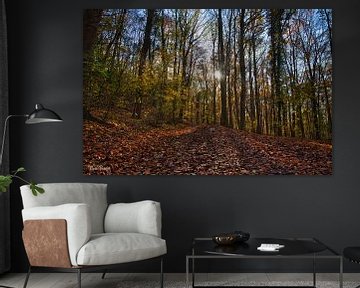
120, 149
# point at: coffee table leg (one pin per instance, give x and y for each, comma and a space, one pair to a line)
193, 272
341, 273
187, 272
314, 271
188, 260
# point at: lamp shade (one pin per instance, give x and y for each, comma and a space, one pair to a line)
42, 115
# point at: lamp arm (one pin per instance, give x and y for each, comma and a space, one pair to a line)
4, 134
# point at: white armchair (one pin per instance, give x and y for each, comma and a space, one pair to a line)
72, 228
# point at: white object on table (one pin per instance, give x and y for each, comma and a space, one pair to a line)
270, 247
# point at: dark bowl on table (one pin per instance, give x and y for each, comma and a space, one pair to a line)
224, 239
231, 238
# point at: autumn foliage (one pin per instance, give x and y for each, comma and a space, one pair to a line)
207, 91
133, 148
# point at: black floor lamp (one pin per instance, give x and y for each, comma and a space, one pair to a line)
39, 115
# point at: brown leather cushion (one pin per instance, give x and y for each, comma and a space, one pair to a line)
46, 243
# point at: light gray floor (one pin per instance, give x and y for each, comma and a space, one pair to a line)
117, 280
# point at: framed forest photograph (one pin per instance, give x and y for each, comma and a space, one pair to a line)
207, 92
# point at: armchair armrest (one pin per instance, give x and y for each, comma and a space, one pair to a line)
77, 217
138, 217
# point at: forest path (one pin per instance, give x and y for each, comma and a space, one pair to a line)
200, 150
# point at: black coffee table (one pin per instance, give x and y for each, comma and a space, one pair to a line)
294, 248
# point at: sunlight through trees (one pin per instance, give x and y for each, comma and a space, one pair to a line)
267, 71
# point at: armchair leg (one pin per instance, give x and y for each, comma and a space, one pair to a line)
27, 277
161, 273
103, 275
79, 277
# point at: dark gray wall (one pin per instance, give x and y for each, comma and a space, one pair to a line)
45, 43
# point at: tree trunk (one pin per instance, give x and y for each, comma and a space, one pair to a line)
329, 25
298, 100
92, 18
235, 78
115, 40
228, 75
276, 61
327, 103
223, 117
242, 69
214, 81
251, 94
256, 88
144, 50
175, 70
313, 100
